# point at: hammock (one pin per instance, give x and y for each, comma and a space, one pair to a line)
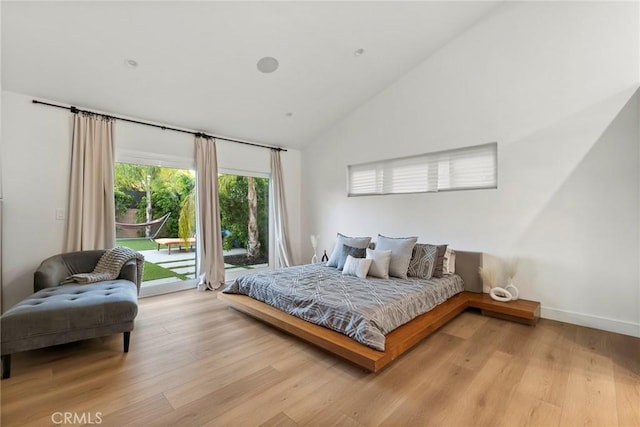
160, 221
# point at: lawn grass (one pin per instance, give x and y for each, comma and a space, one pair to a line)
151, 271
154, 271
137, 244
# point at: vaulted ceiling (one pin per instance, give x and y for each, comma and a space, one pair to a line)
197, 60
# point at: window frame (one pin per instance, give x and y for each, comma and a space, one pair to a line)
232, 275
383, 181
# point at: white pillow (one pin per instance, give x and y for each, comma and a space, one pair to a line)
449, 263
354, 242
356, 267
380, 263
401, 249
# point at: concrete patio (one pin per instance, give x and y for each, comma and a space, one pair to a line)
183, 262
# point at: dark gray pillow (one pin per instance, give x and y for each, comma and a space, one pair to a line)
347, 250
438, 271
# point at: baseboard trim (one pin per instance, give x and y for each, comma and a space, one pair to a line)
597, 322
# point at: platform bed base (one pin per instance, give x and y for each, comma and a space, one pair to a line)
398, 341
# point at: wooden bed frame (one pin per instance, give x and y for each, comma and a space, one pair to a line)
397, 341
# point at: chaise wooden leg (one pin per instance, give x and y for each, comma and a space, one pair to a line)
6, 366
127, 336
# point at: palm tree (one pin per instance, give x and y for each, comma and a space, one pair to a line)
187, 220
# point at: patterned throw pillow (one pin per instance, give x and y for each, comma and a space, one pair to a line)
427, 261
423, 261
401, 249
349, 251
356, 267
379, 263
356, 242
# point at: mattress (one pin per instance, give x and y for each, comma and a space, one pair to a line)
363, 309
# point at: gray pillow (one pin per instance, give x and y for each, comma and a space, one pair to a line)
401, 249
438, 270
356, 242
380, 263
349, 250
424, 261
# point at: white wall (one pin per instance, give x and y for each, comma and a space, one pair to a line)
35, 155
548, 81
35, 167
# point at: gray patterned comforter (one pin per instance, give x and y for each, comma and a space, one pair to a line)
363, 309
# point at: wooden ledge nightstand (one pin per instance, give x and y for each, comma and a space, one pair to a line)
523, 311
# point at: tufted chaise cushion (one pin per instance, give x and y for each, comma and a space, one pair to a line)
69, 313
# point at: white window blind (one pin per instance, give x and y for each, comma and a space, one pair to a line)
460, 169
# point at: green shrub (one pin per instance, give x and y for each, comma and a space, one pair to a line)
122, 201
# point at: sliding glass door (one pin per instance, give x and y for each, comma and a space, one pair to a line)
155, 215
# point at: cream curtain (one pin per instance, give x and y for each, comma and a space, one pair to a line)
91, 217
279, 214
210, 257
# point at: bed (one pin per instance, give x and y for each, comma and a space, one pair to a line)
371, 335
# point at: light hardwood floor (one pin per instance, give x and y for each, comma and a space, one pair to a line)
193, 361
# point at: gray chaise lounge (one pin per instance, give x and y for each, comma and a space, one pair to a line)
57, 314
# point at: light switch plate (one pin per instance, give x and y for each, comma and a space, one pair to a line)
59, 213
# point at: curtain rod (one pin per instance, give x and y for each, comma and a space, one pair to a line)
75, 110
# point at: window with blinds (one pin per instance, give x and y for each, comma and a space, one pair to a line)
465, 168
